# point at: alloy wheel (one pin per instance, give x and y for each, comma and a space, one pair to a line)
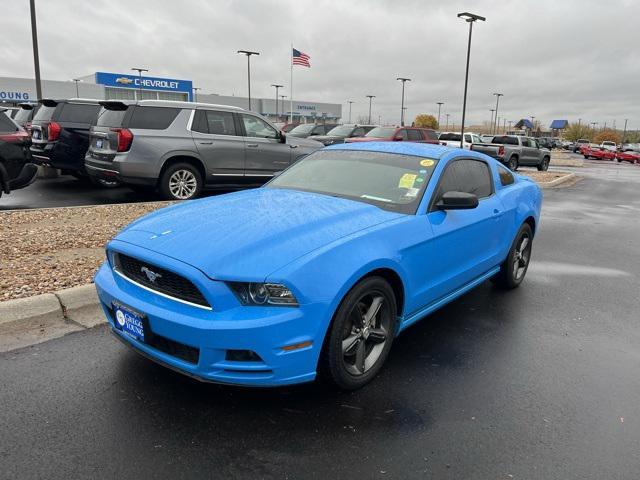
365, 333
521, 257
183, 184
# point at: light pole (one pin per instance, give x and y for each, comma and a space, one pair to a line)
491, 122
282, 97
470, 18
510, 122
439, 106
533, 125
403, 80
248, 53
276, 86
350, 102
36, 55
370, 97
447, 127
195, 93
498, 95
624, 134
76, 80
140, 70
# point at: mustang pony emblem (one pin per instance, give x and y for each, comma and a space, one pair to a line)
151, 275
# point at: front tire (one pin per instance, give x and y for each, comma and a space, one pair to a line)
360, 337
181, 181
544, 166
514, 268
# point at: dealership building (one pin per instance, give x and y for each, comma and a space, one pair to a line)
119, 86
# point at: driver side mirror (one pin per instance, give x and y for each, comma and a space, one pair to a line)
282, 136
457, 201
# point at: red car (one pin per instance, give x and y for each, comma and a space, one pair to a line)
398, 134
628, 156
598, 153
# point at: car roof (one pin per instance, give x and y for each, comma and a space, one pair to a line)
167, 103
406, 148
52, 102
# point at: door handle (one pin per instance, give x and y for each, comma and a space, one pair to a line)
496, 213
206, 143
253, 145
293, 146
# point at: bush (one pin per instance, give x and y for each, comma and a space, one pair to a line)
426, 121
607, 136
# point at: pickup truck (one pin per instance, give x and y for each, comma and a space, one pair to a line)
516, 150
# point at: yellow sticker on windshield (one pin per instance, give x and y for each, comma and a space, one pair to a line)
407, 180
427, 162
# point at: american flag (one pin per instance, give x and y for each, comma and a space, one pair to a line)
300, 58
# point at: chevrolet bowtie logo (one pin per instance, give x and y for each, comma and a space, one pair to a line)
124, 80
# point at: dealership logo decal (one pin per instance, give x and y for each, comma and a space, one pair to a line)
151, 275
124, 80
14, 95
120, 317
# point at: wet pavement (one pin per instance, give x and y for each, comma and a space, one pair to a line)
537, 383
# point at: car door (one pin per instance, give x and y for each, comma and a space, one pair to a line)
219, 143
466, 243
265, 154
531, 155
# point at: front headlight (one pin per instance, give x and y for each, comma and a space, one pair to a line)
260, 294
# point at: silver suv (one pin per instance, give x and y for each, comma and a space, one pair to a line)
180, 148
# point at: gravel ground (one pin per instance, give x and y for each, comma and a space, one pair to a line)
48, 250
542, 177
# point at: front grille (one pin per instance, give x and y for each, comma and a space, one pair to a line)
164, 281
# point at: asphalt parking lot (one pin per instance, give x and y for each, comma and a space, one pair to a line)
538, 383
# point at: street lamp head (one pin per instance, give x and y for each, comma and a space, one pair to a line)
140, 70
370, 96
277, 86
439, 103
248, 53
403, 79
470, 17
499, 94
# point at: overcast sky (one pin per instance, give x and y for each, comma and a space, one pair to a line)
551, 58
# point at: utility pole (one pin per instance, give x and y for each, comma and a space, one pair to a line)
370, 97
470, 18
498, 95
276, 87
624, 134
36, 54
533, 125
248, 53
403, 80
350, 102
140, 70
439, 106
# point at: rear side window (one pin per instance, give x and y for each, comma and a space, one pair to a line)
45, 113
469, 176
402, 133
414, 135
111, 118
79, 113
6, 124
504, 140
153, 118
431, 135
506, 177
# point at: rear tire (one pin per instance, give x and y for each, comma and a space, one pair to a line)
360, 336
513, 163
514, 268
181, 181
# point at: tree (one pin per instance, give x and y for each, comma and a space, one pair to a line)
426, 121
607, 135
576, 131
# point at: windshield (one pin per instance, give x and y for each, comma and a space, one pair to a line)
341, 131
390, 181
45, 113
381, 132
450, 136
306, 128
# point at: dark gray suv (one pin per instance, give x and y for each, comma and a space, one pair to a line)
181, 148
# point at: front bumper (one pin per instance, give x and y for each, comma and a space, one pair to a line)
177, 328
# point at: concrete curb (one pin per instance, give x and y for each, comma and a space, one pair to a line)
557, 181
32, 320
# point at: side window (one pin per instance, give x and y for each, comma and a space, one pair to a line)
200, 122
469, 176
256, 127
6, 125
414, 135
402, 133
220, 123
358, 132
506, 177
431, 135
153, 118
319, 130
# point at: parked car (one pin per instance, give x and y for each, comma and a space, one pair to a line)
16, 169
547, 142
611, 146
181, 148
316, 273
579, 143
340, 133
515, 151
598, 152
398, 134
305, 130
452, 139
25, 115
486, 138
60, 134
629, 155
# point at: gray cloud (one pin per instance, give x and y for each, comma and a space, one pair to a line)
552, 59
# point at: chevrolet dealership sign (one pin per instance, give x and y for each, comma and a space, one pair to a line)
120, 80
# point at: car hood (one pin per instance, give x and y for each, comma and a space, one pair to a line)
247, 235
303, 142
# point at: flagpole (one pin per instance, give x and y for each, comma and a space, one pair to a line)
291, 87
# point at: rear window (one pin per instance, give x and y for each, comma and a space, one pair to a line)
153, 118
504, 140
23, 115
450, 136
6, 124
78, 113
45, 113
111, 118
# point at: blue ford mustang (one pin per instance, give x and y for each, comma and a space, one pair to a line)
318, 271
